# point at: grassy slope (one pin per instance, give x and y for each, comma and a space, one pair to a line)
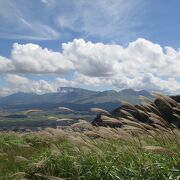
99, 153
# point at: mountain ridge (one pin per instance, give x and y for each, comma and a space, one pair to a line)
72, 97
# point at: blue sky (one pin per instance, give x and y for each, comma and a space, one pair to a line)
123, 27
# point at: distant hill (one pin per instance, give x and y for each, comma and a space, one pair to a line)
75, 98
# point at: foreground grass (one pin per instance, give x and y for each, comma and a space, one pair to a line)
99, 153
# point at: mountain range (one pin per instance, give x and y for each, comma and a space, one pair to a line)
75, 98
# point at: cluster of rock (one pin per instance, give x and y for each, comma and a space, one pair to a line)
163, 112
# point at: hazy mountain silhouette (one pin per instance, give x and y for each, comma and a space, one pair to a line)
76, 98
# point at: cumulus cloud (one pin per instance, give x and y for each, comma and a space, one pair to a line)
93, 59
140, 65
23, 84
31, 58
80, 79
19, 83
34, 59
5, 65
148, 82
108, 60
5, 91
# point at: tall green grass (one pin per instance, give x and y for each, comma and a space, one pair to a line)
115, 154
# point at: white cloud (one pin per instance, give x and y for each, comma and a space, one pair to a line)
6, 92
81, 79
19, 83
34, 59
148, 82
140, 65
5, 65
93, 59
31, 58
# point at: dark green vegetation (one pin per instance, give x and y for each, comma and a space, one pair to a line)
74, 98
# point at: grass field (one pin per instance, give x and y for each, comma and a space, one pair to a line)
143, 143
86, 152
